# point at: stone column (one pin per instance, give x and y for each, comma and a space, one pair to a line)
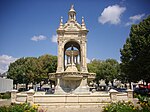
85, 64
13, 96
76, 59
130, 93
60, 66
84, 81
58, 89
83, 88
113, 94
67, 60
58, 80
30, 98
83, 60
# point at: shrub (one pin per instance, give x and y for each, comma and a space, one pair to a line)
121, 107
25, 107
144, 102
142, 106
6, 95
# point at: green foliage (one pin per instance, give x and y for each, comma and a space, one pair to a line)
16, 70
135, 55
121, 107
144, 102
107, 70
94, 67
25, 107
142, 106
32, 70
6, 95
48, 64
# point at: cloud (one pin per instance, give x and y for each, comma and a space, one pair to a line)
111, 14
119, 61
134, 19
5, 60
54, 38
88, 60
38, 38
137, 17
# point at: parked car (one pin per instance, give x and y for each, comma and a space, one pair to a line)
121, 89
142, 91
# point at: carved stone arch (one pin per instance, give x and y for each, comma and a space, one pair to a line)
72, 43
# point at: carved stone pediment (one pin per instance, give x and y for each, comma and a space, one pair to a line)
72, 26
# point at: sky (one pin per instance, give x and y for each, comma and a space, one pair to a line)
28, 27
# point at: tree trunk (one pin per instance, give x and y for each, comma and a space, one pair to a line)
130, 85
112, 83
26, 86
40, 85
16, 86
50, 83
147, 84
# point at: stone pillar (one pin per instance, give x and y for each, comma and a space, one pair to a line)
60, 66
67, 60
30, 98
76, 59
58, 81
58, 89
13, 96
83, 88
84, 81
83, 56
130, 93
113, 94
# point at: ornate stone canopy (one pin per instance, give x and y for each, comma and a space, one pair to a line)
72, 73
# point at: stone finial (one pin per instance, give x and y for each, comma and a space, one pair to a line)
61, 22
72, 6
72, 9
83, 23
61, 19
83, 20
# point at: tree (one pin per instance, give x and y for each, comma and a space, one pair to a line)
94, 66
135, 54
31, 69
48, 65
108, 69
16, 71
112, 70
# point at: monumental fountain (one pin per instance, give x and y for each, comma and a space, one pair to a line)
72, 76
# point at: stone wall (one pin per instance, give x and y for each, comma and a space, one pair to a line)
71, 99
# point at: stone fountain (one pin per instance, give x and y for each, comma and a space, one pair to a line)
72, 75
